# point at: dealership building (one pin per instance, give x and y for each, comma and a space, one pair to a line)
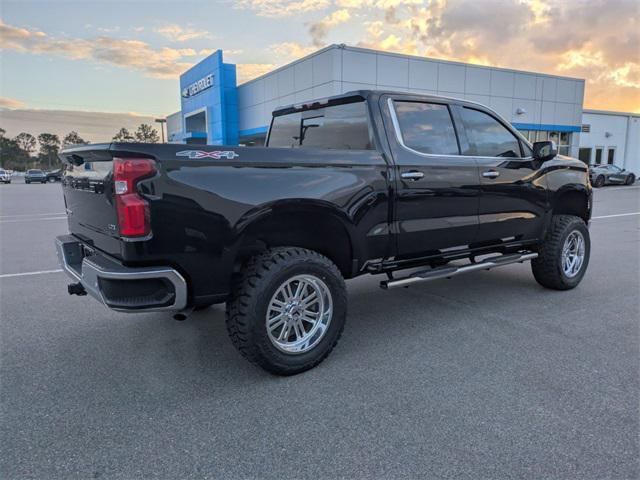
215, 110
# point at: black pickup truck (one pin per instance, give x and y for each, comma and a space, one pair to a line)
366, 182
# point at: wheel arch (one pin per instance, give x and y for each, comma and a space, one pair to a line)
313, 225
573, 200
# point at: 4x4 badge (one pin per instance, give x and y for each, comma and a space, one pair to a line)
217, 154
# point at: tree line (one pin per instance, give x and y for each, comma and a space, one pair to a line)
26, 151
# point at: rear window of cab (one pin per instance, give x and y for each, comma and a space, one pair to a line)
335, 127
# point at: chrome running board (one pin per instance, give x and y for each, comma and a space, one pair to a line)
451, 271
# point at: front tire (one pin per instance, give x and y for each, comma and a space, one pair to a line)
287, 310
564, 256
599, 181
631, 179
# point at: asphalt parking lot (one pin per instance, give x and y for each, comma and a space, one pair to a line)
482, 376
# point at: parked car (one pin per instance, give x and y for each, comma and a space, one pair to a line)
365, 182
604, 174
34, 175
54, 176
5, 176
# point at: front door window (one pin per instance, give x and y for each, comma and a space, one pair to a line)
487, 137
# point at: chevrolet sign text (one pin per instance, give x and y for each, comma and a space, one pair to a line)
197, 87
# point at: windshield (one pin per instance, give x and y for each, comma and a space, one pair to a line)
34, 172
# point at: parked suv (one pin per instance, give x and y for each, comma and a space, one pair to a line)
54, 176
5, 176
366, 182
34, 175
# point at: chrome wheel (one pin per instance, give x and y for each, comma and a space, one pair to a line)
299, 314
573, 254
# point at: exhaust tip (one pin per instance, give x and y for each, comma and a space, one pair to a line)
180, 317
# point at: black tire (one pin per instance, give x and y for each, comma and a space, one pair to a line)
599, 181
547, 268
252, 292
27, 182
631, 179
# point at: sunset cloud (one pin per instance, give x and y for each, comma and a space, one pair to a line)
282, 8
178, 33
248, 71
10, 103
318, 30
599, 41
132, 54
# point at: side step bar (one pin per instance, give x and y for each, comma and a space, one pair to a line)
451, 271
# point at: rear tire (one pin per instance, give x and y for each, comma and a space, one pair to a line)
599, 181
269, 323
553, 268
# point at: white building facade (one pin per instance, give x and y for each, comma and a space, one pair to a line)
541, 106
611, 137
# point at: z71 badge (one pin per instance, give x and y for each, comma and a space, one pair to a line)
217, 154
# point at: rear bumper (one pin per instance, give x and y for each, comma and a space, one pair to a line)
121, 288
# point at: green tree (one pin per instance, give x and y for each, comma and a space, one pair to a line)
49, 147
72, 138
2, 132
147, 134
26, 142
12, 157
123, 136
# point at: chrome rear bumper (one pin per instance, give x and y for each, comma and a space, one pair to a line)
121, 288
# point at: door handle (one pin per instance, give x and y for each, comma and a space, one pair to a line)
491, 174
412, 175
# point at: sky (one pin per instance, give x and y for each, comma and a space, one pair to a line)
125, 57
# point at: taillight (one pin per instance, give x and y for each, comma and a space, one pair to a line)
132, 209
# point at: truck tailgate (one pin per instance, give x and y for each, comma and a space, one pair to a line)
87, 184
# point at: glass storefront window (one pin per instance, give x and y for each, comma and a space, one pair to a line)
562, 139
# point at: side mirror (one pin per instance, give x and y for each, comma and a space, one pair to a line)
544, 151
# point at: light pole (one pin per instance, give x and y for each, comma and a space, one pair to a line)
161, 121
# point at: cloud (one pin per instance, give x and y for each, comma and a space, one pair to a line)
286, 52
319, 30
249, 71
598, 41
132, 54
177, 33
282, 8
10, 103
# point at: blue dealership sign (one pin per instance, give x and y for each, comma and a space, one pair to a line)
210, 101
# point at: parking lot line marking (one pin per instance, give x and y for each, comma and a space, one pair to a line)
24, 274
52, 214
616, 215
619, 189
32, 219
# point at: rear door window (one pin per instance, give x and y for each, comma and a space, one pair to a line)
427, 127
487, 137
338, 127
